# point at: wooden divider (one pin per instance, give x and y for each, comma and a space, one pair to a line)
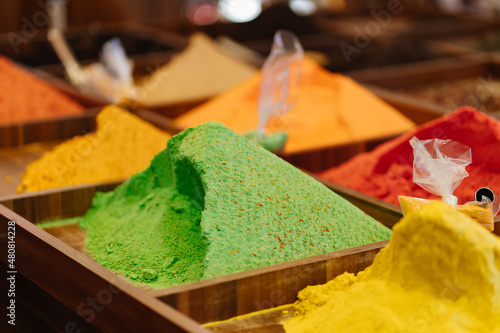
263, 288
79, 283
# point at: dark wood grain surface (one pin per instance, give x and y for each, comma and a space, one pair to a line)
13, 162
74, 279
263, 288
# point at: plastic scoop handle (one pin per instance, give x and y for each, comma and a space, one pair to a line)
75, 72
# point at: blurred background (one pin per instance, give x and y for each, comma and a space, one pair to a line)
205, 12
361, 39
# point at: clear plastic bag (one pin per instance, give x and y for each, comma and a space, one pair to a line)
279, 88
439, 166
280, 77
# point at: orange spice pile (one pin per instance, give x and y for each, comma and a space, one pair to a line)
331, 110
24, 97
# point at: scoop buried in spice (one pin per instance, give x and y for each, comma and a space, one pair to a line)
279, 88
439, 167
479, 211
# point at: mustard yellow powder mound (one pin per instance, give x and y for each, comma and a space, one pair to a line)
122, 145
440, 272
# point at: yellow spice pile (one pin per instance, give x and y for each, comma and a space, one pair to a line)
439, 273
122, 145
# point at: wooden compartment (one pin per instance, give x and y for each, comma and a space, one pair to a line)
272, 321
140, 42
487, 40
396, 80
323, 158
453, 25
18, 134
52, 265
149, 48
264, 288
22, 144
55, 266
381, 23
345, 52
72, 279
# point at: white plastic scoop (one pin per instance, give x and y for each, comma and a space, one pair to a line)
110, 79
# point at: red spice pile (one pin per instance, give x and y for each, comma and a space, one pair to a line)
387, 171
24, 97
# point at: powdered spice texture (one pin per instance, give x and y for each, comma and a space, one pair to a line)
331, 110
25, 98
387, 171
213, 203
440, 272
122, 145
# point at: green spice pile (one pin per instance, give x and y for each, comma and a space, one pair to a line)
213, 203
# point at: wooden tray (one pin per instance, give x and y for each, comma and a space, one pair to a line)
22, 144
324, 158
52, 264
468, 42
272, 322
54, 269
321, 159
451, 26
148, 47
379, 51
86, 42
47, 130
421, 73
56, 128
386, 82
404, 24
